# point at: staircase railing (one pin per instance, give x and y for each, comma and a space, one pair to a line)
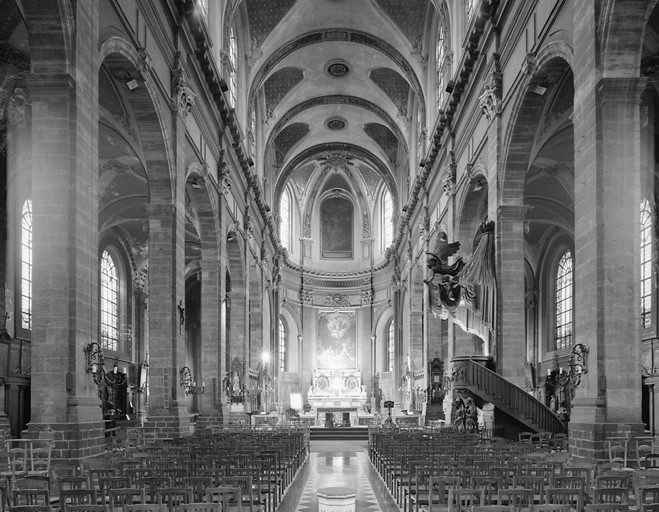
516, 399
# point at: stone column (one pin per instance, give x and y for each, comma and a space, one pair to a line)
510, 350
65, 404
607, 262
212, 371
167, 415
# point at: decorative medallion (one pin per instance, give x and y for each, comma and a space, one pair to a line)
337, 68
336, 123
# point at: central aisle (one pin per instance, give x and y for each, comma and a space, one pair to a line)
341, 464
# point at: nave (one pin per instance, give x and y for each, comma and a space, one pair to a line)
280, 469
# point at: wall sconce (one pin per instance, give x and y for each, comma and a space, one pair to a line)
190, 386
578, 365
94, 354
116, 378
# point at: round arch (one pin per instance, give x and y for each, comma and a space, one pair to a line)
119, 55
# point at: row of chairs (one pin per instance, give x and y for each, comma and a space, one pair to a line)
252, 468
417, 465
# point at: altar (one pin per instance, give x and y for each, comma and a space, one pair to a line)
337, 392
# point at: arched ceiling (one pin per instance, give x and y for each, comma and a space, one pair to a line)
332, 77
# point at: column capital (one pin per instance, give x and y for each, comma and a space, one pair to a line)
622, 90
512, 211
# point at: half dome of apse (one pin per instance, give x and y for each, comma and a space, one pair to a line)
278, 85
410, 16
265, 15
384, 138
287, 138
393, 85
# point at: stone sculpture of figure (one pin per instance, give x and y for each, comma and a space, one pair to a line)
471, 415
235, 388
311, 391
363, 391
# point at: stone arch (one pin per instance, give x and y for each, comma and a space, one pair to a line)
473, 202
547, 66
153, 122
620, 36
205, 204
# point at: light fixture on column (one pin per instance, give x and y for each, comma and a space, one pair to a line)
578, 365
131, 83
188, 384
94, 354
116, 378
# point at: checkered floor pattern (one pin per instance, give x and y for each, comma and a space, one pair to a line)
342, 469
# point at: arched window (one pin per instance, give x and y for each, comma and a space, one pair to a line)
386, 219
389, 362
442, 61
233, 64
109, 309
26, 266
282, 346
285, 219
563, 302
646, 265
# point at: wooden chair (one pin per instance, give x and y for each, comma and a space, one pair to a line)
647, 496
95, 475
229, 498
616, 495
492, 508
30, 508
439, 487
519, 499
550, 508
147, 507
607, 507
651, 460
174, 497
151, 484
571, 497
73, 482
244, 483
85, 507
198, 484
618, 450
535, 483
111, 482
204, 507
68, 497
461, 500
525, 437
30, 497
119, 498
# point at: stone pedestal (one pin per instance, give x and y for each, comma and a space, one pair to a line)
336, 499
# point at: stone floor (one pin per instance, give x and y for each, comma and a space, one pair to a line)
341, 464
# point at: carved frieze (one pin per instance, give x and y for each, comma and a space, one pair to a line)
336, 300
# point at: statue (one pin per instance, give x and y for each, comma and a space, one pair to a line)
311, 391
444, 283
466, 415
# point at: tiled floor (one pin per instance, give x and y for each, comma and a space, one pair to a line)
340, 464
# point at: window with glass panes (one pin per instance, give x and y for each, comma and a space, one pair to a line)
390, 347
282, 346
109, 309
563, 302
442, 61
233, 63
26, 265
646, 265
285, 219
387, 226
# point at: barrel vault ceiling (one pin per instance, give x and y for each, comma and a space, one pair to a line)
336, 78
